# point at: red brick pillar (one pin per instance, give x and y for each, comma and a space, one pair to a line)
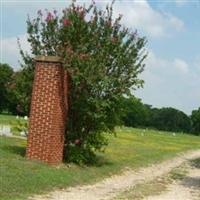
48, 111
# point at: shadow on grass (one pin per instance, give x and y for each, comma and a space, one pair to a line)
100, 161
15, 150
97, 161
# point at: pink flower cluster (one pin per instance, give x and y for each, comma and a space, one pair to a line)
66, 22
49, 17
81, 11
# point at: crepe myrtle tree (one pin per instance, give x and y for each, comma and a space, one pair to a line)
103, 59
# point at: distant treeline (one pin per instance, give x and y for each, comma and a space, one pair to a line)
137, 114
15, 97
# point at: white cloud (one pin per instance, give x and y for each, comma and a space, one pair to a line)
181, 65
181, 2
175, 22
136, 14
178, 66
10, 50
170, 83
140, 15
197, 64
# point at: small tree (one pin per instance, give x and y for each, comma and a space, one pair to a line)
103, 59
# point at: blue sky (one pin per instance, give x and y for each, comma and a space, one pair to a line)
172, 28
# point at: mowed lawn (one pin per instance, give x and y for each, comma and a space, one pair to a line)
131, 148
7, 119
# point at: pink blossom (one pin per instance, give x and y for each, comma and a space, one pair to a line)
49, 17
66, 22
82, 14
78, 8
77, 141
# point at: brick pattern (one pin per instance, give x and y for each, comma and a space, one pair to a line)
48, 113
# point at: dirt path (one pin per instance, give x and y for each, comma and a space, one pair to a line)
110, 187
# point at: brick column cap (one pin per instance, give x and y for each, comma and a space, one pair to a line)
54, 59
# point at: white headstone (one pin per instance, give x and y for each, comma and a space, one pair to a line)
5, 130
22, 133
25, 117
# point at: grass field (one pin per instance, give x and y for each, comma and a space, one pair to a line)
131, 148
9, 119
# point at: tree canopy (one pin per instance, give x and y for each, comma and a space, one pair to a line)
103, 58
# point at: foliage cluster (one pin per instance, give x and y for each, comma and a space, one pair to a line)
195, 117
6, 73
15, 89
